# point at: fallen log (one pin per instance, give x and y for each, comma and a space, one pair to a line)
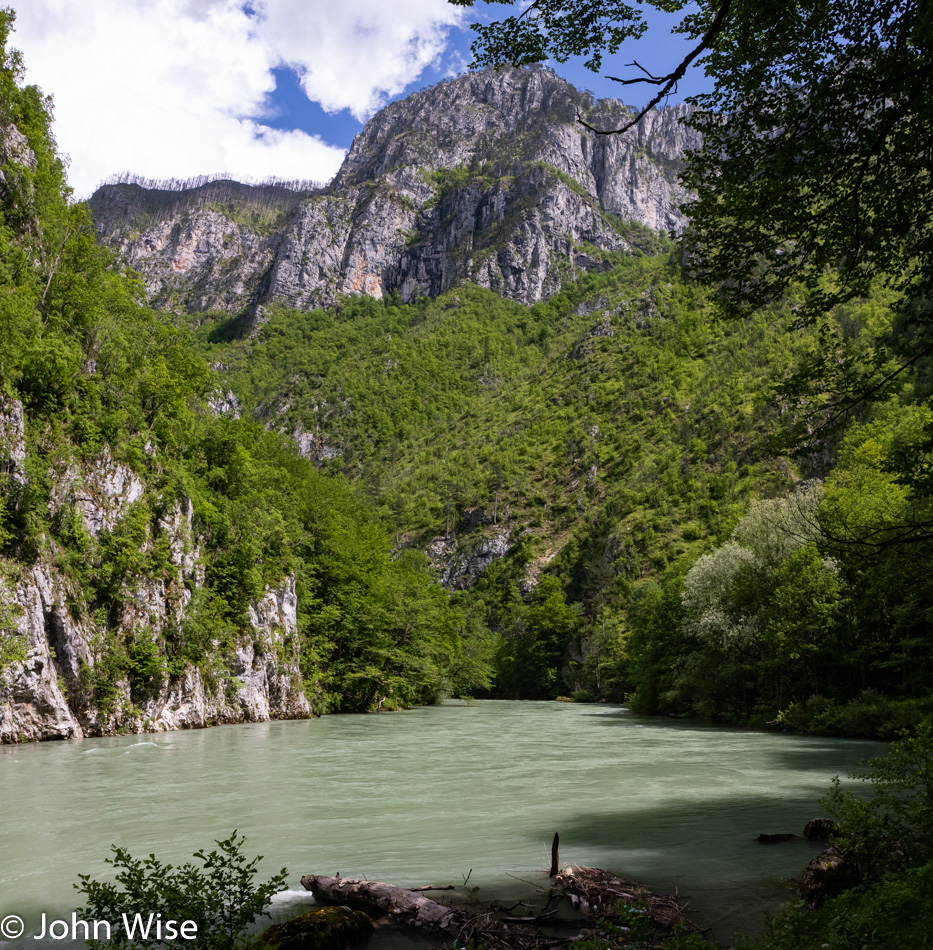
385, 900
591, 892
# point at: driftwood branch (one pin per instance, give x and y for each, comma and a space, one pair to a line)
555, 855
384, 900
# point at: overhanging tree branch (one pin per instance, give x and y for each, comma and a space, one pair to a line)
841, 410
671, 79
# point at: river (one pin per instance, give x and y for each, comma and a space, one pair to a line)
429, 796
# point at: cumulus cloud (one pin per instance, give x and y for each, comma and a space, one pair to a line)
175, 88
357, 57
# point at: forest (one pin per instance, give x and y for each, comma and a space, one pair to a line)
639, 444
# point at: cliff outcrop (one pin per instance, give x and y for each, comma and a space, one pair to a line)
79, 672
488, 177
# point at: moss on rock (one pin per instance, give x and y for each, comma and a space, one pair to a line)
327, 928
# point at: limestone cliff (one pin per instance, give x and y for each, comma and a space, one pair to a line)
488, 177
64, 683
199, 248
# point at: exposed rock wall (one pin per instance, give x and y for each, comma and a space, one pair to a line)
50, 695
15, 151
488, 177
12, 440
460, 562
200, 261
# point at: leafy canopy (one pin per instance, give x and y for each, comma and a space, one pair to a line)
221, 896
818, 139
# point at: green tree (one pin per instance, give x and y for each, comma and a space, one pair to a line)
815, 168
533, 650
220, 895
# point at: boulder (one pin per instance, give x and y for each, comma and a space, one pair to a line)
327, 928
829, 874
819, 829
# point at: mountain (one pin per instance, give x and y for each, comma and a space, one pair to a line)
487, 177
469, 361
166, 562
477, 324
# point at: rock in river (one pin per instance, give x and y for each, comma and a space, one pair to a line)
829, 874
819, 829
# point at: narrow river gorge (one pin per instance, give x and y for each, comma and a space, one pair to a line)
424, 796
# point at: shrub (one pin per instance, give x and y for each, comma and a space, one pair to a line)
220, 896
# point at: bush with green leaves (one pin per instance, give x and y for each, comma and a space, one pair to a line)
893, 827
220, 895
13, 642
889, 833
894, 914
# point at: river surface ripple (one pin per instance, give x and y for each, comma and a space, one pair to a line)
424, 796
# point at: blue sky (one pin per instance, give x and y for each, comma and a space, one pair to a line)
177, 88
660, 51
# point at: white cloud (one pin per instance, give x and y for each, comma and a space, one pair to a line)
359, 56
174, 88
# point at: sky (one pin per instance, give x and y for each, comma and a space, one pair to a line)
256, 89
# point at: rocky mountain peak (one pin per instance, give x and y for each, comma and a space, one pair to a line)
488, 177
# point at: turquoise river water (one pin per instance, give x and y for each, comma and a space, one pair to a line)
426, 796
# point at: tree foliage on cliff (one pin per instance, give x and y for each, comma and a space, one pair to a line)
818, 144
102, 379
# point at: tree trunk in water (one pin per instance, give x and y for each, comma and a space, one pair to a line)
373, 897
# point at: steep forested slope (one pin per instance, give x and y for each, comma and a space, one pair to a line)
163, 566
586, 471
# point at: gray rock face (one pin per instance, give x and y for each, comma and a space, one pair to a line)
33, 703
314, 446
201, 261
49, 694
225, 404
488, 177
200, 248
101, 491
12, 440
15, 151
460, 562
